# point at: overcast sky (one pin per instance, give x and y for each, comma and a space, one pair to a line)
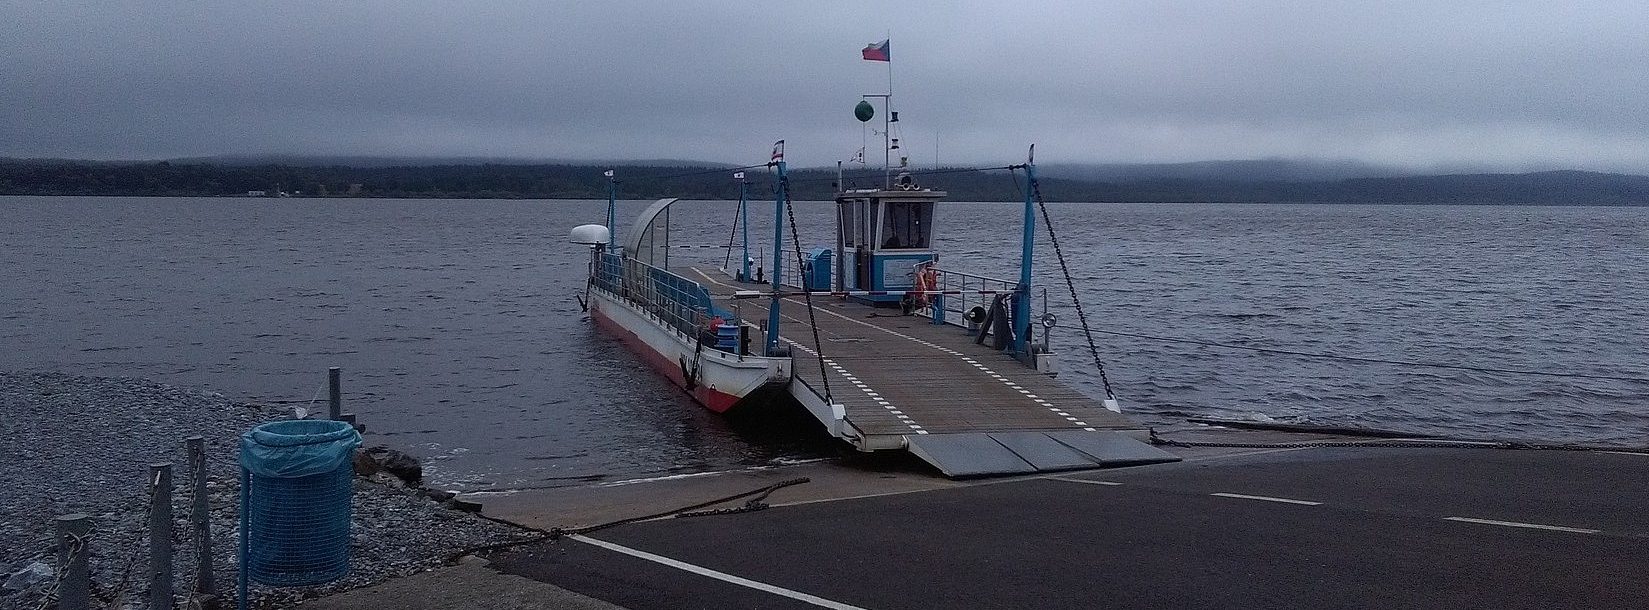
1437, 83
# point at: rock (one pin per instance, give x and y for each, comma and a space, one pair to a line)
29, 577
387, 480
403, 466
365, 466
117, 425
438, 495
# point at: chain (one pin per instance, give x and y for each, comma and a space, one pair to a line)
784, 188
77, 544
1081, 316
760, 494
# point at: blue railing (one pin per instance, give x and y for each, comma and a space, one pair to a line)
676, 301
608, 273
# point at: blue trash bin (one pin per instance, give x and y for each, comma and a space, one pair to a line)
296, 481
817, 274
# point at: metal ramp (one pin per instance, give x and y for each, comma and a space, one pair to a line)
980, 454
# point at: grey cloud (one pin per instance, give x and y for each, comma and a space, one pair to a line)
1421, 84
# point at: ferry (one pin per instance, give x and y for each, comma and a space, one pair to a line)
885, 347
671, 322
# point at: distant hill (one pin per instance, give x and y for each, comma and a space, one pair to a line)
1212, 182
382, 161
1258, 170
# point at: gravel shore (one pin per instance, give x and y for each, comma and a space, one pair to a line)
74, 444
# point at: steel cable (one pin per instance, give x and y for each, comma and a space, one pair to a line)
812, 322
1081, 316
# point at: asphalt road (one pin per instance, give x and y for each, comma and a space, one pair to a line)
1320, 528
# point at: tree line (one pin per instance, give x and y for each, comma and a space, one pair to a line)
549, 181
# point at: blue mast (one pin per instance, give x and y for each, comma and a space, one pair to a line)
1022, 292
744, 223
778, 259
612, 196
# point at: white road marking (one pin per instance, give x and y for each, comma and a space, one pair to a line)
1068, 480
1265, 498
721, 576
1536, 526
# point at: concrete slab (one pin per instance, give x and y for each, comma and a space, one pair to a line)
967, 455
569, 507
1112, 449
1043, 452
468, 586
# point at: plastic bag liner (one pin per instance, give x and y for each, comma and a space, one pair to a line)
297, 448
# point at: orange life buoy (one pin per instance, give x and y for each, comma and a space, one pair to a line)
926, 280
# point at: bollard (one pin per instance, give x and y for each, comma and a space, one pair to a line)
74, 591
200, 517
335, 397
160, 536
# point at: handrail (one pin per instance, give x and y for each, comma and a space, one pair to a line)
671, 299
955, 306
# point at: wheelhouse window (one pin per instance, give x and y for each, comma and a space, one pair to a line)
849, 211
906, 224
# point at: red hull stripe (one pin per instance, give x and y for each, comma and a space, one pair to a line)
717, 401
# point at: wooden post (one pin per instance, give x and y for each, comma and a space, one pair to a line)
160, 536
74, 532
200, 520
334, 393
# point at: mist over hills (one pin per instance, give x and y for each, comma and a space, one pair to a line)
408, 161
1253, 170
1252, 181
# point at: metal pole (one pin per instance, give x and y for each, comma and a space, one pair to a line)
1022, 293
74, 532
334, 393
200, 517
778, 262
744, 224
160, 536
887, 123
612, 203
241, 577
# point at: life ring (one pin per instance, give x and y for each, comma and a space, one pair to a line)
927, 279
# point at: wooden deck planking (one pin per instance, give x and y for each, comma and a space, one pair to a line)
907, 362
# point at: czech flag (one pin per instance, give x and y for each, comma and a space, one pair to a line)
877, 52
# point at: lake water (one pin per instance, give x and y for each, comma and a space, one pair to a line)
455, 324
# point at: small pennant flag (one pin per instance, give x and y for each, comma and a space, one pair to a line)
738, 175
608, 173
877, 51
778, 150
